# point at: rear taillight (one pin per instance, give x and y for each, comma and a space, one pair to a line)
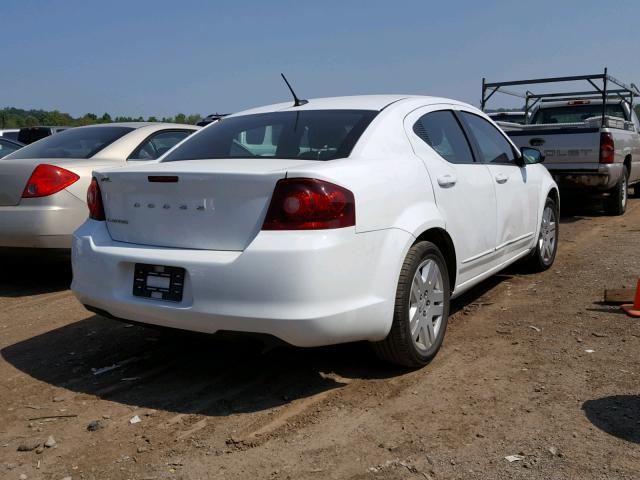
47, 180
607, 148
94, 201
309, 204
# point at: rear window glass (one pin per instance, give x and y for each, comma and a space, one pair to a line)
575, 113
82, 142
306, 134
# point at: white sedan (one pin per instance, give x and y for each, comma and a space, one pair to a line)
342, 219
43, 185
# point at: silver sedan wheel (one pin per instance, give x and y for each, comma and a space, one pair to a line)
426, 304
547, 241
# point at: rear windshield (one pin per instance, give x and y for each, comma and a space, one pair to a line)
306, 134
575, 113
82, 142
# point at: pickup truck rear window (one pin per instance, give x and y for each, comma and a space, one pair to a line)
575, 113
305, 134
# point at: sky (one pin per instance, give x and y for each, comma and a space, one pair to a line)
142, 57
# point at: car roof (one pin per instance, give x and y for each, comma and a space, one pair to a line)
354, 102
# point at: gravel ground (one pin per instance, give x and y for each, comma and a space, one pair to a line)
534, 366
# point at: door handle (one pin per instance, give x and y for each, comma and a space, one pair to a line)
501, 178
447, 180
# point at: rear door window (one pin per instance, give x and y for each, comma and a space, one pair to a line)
442, 132
492, 145
158, 144
7, 147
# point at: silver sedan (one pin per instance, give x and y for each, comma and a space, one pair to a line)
43, 185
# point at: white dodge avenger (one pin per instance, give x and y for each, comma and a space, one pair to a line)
336, 220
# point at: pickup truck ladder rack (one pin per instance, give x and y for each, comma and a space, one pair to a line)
604, 92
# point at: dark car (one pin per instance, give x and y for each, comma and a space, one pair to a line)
29, 135
214, 117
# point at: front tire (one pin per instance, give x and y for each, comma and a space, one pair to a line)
544, 254
421, 309
616, 202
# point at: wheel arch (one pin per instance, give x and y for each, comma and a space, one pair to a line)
555, 196
441, 239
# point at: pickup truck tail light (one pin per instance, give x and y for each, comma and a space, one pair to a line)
94, 201
309, 204
47, 180
607, 148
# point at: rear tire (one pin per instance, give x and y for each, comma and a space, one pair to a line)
616, 202
636, 190
421, 309
543, 256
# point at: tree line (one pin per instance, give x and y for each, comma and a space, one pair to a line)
11, 117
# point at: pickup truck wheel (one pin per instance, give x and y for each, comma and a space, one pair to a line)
616, 203
544, 254
636, 190
421, 309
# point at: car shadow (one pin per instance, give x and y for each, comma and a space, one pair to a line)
187, 373
618, 415
32, 272
577, 209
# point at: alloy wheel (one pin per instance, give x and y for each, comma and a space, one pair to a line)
426, 304
547, 241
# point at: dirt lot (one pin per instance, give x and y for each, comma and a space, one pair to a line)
532, 365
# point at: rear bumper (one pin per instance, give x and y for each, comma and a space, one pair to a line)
46, 222
602, 179
305, 288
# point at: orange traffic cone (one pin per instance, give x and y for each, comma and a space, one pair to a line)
634, 310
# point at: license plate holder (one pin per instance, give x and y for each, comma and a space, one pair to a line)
158, 282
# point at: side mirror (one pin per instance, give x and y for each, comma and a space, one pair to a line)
530, 156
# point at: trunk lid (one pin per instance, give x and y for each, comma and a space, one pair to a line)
213, 205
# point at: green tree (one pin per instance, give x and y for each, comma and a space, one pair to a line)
31, 121
193, 119
88, 119
180, 118
105, 118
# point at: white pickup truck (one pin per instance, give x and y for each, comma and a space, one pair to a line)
590, 139
581, 152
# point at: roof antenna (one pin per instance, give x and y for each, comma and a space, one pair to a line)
296, 101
